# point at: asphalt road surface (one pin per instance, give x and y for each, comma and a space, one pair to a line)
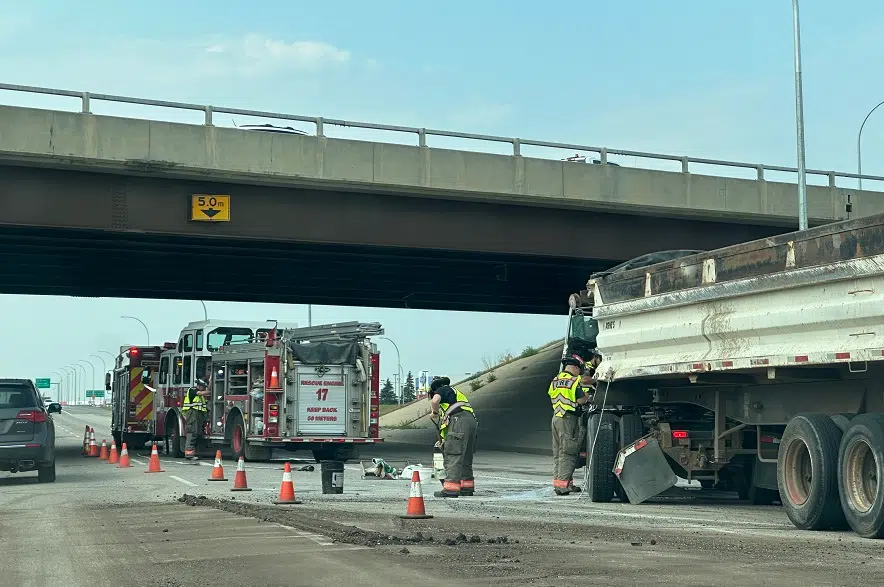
99, 525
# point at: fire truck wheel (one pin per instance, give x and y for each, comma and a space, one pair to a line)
173, 439
241, 448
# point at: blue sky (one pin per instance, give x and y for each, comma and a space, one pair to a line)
709, 79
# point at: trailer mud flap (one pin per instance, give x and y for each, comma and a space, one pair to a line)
643, 470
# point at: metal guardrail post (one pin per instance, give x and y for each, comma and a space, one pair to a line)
603, 156
760, 172
422, 137
208, 111
685, 165
517, 148
84, 98
319, 129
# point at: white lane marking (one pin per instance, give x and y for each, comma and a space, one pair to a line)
185, 481
317, 538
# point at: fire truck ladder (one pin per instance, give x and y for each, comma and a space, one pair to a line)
336, 331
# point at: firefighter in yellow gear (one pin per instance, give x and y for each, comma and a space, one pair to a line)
568, 396
457, 428
195, 409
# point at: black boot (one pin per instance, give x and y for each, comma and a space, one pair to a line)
445, 493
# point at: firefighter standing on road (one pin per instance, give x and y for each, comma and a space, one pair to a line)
458, 429
195, 409
567, 396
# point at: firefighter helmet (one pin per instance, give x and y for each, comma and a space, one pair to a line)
200, 382
575, 360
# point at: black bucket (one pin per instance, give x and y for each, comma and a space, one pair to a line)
332, 476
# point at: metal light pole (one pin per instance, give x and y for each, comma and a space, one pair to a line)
205, 312
75, 379
80, 365
82, 362
398, 365
113, 356
799, 122
859, 152
142, 323
62, 389
104, 366
309, 314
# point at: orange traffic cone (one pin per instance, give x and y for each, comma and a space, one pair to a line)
154, 464
102, 456
124, 458
287, 489
86, 442
218, 469
415, 509
239, 481
274, 379
113, 458
93, 449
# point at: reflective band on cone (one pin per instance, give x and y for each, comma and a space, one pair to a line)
218, 469
415, 509
93, 448
287, 489
239, 481
103, 456
154, 465
113, 458
124, 458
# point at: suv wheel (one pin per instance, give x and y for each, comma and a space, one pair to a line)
46, 473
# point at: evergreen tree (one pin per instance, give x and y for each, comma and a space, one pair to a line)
388, 395
408, 394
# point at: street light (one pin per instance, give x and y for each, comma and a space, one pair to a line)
205, 312
78, 364
104, 366
799, 122
113, 356
859, 153
92, 367
142, 323
74, 375
62, 390
398, 364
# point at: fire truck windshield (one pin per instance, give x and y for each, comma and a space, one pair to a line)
226, 335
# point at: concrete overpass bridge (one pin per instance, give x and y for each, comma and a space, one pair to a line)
312, 219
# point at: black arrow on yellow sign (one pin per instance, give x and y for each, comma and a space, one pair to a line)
210, 212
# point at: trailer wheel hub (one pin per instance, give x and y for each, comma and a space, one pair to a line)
860, 475
798, 472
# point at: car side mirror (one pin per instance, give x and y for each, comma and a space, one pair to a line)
54, 408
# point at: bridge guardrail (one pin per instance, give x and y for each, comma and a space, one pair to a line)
422, 133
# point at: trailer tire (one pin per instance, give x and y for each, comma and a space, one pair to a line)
631, 429
600, 458
842, 421
807, 472
860, 469
241, 448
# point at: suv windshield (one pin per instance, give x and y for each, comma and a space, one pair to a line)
16, 395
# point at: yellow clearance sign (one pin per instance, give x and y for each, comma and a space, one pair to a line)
209, 208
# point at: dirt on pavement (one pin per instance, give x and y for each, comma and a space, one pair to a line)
501, 551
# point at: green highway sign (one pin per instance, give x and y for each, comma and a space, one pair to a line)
88, 393
94, 393
43, 383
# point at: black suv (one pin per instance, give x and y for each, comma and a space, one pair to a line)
27, 432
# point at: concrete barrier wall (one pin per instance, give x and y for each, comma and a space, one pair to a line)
86, 140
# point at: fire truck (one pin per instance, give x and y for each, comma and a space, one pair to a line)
133, 405
314, 388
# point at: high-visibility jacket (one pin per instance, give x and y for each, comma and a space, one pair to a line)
461, 402
563, 393
197, 403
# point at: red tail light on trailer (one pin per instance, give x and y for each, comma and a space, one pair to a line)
680, 434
